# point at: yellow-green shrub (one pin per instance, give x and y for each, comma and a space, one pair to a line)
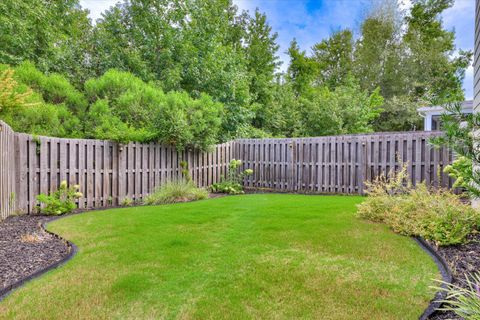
434, 214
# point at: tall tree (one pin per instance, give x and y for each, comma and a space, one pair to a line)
262, 61
301, 71
55, 35
435, 73
334, 57
194, 46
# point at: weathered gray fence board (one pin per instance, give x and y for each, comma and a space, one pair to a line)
341, 164
106, 172
8, 171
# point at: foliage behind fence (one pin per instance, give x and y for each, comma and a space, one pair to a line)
108, 172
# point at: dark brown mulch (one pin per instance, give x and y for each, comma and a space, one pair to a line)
462, 259
26, 248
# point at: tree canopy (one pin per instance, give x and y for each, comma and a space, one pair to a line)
194, 73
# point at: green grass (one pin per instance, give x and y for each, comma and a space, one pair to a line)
251, 256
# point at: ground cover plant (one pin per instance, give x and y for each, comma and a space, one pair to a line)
248, 256
434, 214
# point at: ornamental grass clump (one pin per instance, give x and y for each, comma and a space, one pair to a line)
61, 201
176, 191
463, 301
437, 215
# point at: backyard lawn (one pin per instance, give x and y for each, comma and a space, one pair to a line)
249, 256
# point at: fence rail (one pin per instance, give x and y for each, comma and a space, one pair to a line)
108, 172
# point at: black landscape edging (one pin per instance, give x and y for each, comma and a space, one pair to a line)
73, 250
444, 271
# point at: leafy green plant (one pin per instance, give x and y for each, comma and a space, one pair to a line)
232, 183
176, 191
462, 169
185, 171
434, 214
61, 201
462, 136
464, 302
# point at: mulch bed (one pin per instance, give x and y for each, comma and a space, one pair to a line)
25, 248
462, 259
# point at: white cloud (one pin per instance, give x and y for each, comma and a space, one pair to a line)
96, 7
293, 19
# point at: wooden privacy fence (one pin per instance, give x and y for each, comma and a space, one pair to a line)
108, 172
341, 164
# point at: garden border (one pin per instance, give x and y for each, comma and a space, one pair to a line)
72, 252
445, 272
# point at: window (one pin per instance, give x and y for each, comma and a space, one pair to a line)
436, 122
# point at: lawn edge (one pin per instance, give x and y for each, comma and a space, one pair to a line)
73, 249
445, 272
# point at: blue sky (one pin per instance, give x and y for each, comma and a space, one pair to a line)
309, 21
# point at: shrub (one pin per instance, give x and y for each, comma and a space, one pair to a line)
461, 136
128, 109
188, 123
232, 183
61, 201
434, 214
176, 191
462, 169
464, 302
11, 95
54, 88
26, 111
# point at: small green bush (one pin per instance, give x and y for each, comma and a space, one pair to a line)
61, 201
464, 302
434, 214
228, 187
176, 191
232, 183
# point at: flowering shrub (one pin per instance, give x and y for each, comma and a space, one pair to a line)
232, 183
464, 302
61, 201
